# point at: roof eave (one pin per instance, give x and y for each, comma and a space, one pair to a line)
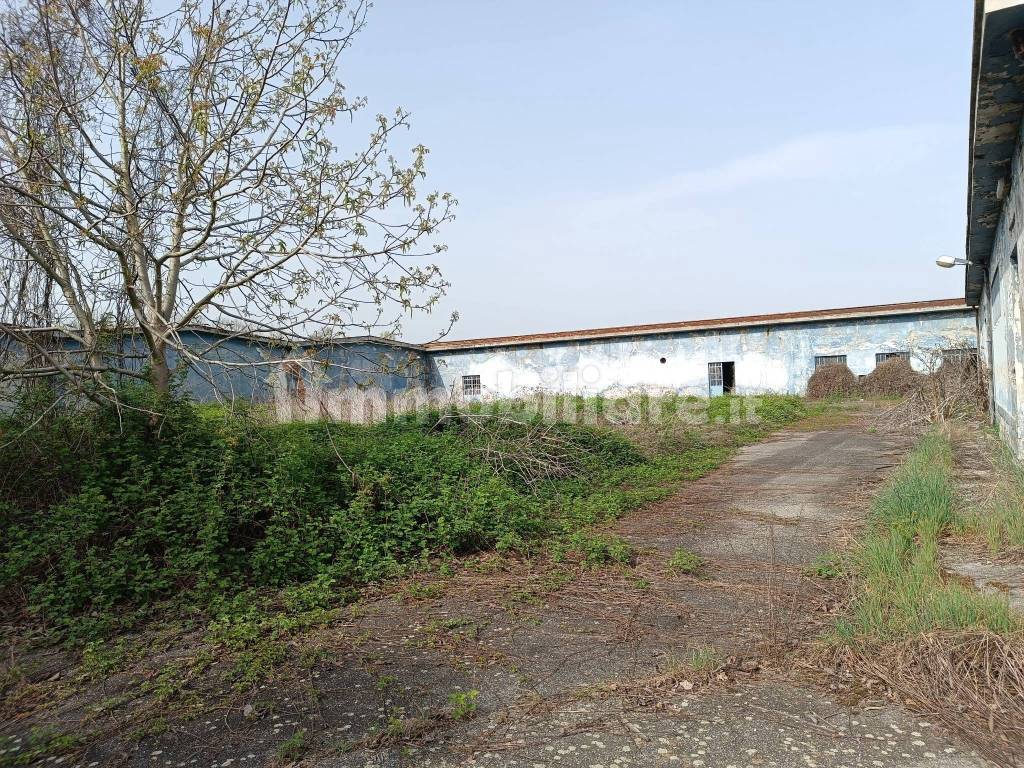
997, 101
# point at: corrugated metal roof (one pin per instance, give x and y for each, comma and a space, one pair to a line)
782, 318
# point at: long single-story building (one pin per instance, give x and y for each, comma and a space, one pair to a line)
742, 355
738, 355
995, 207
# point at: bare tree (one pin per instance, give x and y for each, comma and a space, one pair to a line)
167, 167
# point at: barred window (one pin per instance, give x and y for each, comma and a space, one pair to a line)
820, 360
960, 355
715, 374
471, 385
881, 357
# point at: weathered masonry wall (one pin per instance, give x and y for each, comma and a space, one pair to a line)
221, 366
1000, 318
995, 208
767, 358
247, 369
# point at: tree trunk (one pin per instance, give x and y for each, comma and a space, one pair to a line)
159, 371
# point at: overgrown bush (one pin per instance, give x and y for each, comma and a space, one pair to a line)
107, 513
954, 388
832, 380
890, 378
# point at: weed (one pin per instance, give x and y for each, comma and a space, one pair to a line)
462, 704
398, 730
385, 681
685, 561
294, 747
149, 729
901, 590
417, 590
596, 549
41, 744
1001, 519
101, 659
827, 565
312, 655
704, 659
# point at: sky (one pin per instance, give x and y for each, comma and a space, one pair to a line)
653, 161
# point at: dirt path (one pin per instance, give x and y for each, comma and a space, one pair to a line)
578, 667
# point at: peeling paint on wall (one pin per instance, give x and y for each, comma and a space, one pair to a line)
1001, 320
767, 358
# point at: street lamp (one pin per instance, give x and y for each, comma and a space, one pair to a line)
947, 262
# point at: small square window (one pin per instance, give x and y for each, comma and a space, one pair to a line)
820, 360
471, 385
881, 357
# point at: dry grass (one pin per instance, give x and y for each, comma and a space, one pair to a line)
937, 644
973, 682
831, 381
999, 517
953, 391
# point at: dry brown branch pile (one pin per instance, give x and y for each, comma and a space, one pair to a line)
972, 681
955, 391
531, 451
892, 378
831, 381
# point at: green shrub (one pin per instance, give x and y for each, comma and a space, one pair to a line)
107, 513
199, 505
780, 409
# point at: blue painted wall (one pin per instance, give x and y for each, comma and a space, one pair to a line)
767, 358
772, 358
1000, 315
253, 369
225, 368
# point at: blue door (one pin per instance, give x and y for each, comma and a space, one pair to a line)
715, 381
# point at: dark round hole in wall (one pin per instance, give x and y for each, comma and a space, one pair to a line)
662, 360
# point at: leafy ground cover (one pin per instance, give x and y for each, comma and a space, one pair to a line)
197, 556
109, 515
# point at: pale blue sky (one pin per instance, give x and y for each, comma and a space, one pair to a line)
646, 161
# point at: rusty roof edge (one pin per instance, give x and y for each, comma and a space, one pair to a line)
782, 318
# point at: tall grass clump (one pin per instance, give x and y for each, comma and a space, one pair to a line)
1000, 520
900, 589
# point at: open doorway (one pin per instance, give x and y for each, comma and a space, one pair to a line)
721, 378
